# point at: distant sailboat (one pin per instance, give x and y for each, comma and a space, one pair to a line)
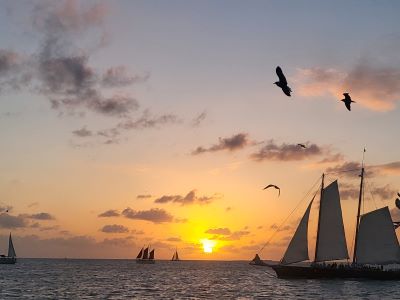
375, 243
175, 257
257, 261
11, 257
144, 257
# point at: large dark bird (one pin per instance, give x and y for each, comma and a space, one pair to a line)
347, 101
274, 186
282, 83
302, 146
397, 202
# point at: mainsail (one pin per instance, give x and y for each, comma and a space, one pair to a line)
298, 247
140, 254
146, 253
11, 250
331, 242
377, 241
151, 256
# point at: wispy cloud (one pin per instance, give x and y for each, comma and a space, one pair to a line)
155, 215
109, 213
235, 142
12, 222
143, 196
219, 231
199, 119
114, 229
189, 198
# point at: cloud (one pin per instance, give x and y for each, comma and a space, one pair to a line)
234, 236
114, 229
119, 76
188, 199
143, 196
174, 239
218, 231
235, 142
5, 208
392, 168
155, 215
287, 152
109, 213
283, 228
374, 86
349, 169
12, 222
149, 121
199, 119
348, 191
41, 216
83, 132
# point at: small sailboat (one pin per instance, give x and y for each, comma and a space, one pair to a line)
375, 243
11, 257
145, 257
257, 261
175, 257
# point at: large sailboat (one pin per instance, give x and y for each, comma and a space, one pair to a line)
375, 243
175, 257
145, 257
11, 257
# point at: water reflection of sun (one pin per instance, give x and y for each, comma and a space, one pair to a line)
208, 245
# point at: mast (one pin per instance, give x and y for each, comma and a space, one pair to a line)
319, 217
358, 213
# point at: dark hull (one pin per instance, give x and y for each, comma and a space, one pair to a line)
290, 272
145, 261
8, 260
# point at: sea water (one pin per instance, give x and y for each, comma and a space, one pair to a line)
124, 279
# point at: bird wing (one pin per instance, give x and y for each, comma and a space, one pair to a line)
282, 77
268, 186
348, 105
301, 145
398, 194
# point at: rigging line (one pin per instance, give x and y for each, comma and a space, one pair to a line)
372, 196
284, 221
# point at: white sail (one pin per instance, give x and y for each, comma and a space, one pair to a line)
331, 244
377, 242
298, 247
11, 250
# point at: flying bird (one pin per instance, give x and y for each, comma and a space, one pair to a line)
282, 83
302, 146
397, 203
347, 101
274, 186
398, 194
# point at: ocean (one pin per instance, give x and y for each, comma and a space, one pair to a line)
124, 279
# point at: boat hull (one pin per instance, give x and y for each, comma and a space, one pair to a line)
8, 260
145, 261
297, 272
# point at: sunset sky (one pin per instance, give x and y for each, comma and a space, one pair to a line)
130, 123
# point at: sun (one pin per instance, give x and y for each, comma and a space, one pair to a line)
208, 245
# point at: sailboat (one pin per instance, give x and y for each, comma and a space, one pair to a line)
257, 261
175, 257
145, 257
11, 257
375, 243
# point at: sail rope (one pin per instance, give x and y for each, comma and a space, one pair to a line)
285, 220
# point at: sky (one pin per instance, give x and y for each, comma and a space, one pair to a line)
134, 123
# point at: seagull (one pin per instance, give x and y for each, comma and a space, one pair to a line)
274, 186
397, 203
347, 100
302, 146
398, 194
282, 83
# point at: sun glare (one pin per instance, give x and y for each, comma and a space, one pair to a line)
208, 245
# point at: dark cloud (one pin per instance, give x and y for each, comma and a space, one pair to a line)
348, 191
189, 198
12, 222
48, 228
155, 215
218, 231
279, 229
119, 77
349, 169
286, 152
109, 213
385, 192
174, 239
83, 132
199, 119
143, 196
41, 216
389, 168
114, 229
235, 142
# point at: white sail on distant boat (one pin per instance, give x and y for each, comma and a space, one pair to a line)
375, 242
145, 257
11, 257
175, 257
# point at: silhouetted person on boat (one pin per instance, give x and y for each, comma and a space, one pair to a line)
282, 83
347, 101
274, 186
